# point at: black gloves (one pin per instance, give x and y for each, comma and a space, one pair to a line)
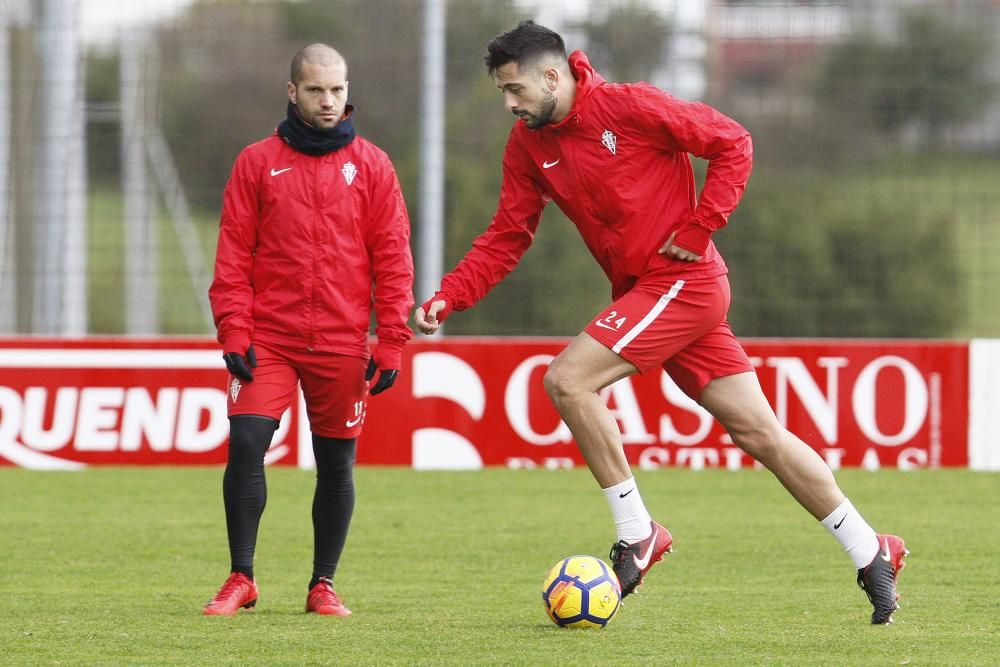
385, 379
238, 365
241, 366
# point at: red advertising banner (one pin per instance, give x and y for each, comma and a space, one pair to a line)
481, 402
65, 404
469, 402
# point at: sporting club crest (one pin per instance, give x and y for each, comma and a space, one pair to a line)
349, 171
610, 141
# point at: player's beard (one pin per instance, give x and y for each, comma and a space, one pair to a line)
316, 120
546, 108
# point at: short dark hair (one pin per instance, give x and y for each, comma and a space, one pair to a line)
526, 43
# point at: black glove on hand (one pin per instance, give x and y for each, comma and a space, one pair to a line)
385, 378
237, 364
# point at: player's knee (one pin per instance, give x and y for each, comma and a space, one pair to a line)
760, 441
250, 436
552, 382
558, 381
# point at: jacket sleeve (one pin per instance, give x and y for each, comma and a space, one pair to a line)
497, 251
231, 293
392, 267
696, 128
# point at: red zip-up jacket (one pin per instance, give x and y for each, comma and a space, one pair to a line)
306, 244
618, 167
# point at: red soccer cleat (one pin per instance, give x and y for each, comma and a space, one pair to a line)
631, 562
238, 591
878, 578
324, 600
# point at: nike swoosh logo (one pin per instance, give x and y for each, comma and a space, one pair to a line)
601, 324
641, 563
275, 172
352, 422
549, 165
622, 495
837, 525
886, 556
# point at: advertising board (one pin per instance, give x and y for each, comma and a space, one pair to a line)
463, 403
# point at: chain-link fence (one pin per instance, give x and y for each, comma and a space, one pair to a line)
873, 209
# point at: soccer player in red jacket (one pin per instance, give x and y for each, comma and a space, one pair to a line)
614, 158
314, 232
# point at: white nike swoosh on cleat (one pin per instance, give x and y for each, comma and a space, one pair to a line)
886, 556
644, 561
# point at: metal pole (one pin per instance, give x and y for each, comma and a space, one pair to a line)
432, 115
75, 295
8, 269
58, 215
141, 266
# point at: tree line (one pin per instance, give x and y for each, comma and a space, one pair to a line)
806, 259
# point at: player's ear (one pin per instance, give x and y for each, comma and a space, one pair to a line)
551, 78
291, 92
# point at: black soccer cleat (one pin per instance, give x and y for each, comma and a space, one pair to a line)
631, 562
878, 578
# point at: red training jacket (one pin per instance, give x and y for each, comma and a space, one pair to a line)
302, 241
618, 167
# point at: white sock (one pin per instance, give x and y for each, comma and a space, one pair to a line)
853, 532
632, 521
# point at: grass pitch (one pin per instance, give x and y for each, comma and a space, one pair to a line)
112, 566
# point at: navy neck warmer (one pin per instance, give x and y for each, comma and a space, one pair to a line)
311, 141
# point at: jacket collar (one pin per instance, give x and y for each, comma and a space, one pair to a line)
587, 80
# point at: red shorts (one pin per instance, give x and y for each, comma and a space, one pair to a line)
333, 385
677, 324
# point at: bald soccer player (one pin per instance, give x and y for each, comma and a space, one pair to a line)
314, 235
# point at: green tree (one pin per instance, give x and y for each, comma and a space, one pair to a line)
948, 67
933, 77
627, 42
814, 257
810, 254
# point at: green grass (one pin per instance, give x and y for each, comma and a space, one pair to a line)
112, 566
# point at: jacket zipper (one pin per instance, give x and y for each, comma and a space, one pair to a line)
317, 220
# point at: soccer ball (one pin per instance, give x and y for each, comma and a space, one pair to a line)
581, 592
